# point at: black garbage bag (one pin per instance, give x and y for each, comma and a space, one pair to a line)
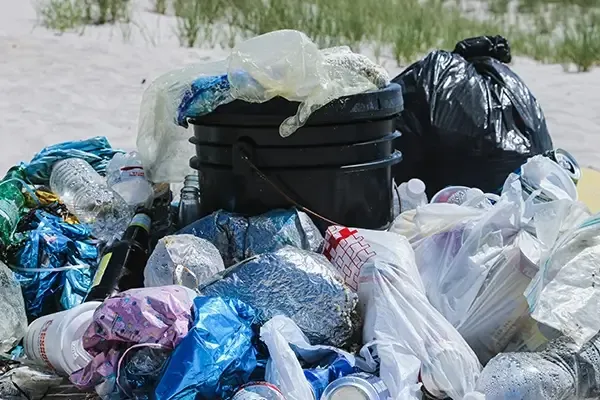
468, 119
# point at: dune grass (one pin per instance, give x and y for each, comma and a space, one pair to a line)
553, 31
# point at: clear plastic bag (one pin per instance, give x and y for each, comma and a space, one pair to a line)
399, 317
283, 368
564, 295
12, 308
288, 64
162, 143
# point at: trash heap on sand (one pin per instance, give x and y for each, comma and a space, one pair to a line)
275, 258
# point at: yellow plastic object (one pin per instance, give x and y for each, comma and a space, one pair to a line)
588, 189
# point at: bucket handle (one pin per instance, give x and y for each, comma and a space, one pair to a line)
244, 157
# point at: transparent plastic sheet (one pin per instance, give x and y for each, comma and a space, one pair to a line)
468, 120
216, 356
287, 344
183, 260
564, 295
12, 308
55, 263
405, 326
163, 145
97, 151
299, 284
141, 370
238, 238
560, 372
34, 380
150, 315
288, 64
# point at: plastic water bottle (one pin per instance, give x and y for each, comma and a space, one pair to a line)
11, 204
86, 195
125, 175
189, 202
412, 194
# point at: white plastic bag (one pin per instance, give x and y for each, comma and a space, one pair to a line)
283, 368
564, 294
399, 317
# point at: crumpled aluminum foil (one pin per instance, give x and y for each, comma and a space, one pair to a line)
183, 260
296, 283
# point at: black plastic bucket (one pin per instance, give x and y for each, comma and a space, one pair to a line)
338, 165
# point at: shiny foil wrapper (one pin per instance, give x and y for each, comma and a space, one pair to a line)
296, 283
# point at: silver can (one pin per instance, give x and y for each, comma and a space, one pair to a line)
567, 162
359, 386
258, 391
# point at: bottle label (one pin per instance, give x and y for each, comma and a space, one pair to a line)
141, 220
101, 269
130, 173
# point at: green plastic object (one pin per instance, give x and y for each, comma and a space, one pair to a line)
11, 205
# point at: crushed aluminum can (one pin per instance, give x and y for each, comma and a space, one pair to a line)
357, 386
329, 370
567, 161
258, 391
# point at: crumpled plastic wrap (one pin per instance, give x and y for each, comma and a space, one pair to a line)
184, 260
298, 284
216, 356
239, 238
34, 380
56, 260
283, 63
140, 372
150, 315
563, 294
12, 309
96, 150
562, 371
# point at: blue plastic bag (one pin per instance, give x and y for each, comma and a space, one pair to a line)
97, 151
57, 259
216, 356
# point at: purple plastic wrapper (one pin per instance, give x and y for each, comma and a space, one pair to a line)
159, 315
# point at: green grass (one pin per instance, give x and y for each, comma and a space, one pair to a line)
552, 31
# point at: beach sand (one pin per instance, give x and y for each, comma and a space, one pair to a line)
73, 86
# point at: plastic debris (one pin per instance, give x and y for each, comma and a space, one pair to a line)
157, 316
295, 283
97, 151
12, 309
54, 263
183, 260
216, 356
239, 238
125, 175
287, 347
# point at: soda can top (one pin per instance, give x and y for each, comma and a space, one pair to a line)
567, 161
360, 386
258, 391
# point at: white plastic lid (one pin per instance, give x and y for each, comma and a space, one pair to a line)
415, 187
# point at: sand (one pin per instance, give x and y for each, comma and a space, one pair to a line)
72, 86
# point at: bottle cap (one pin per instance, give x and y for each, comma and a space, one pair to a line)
415, 187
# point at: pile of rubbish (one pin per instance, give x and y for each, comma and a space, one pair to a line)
117, 283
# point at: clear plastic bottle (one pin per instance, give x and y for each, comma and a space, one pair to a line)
86, 195
412, 194
125, 175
